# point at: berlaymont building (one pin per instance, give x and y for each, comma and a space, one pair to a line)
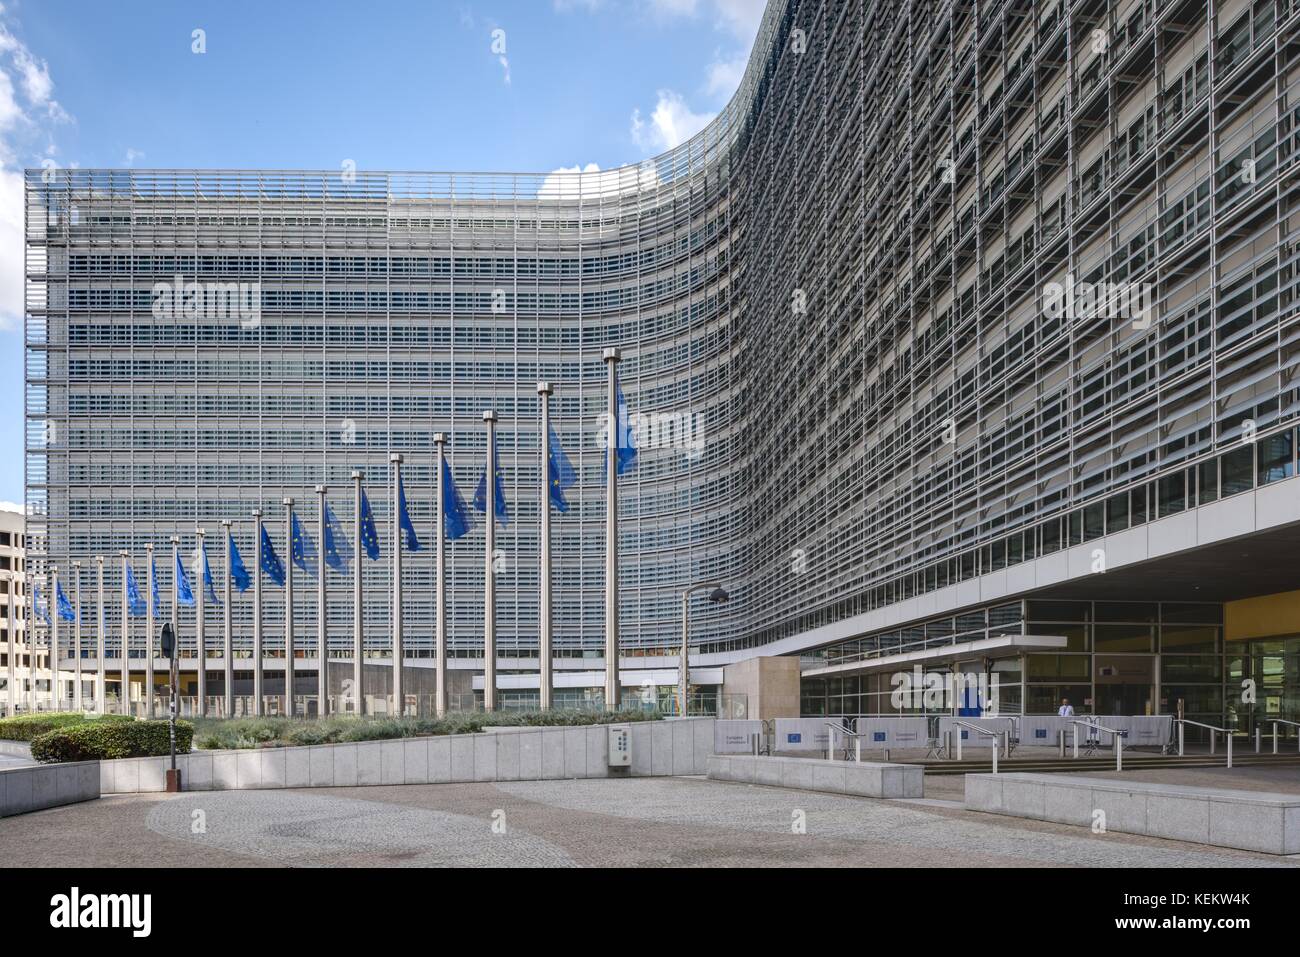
963, 340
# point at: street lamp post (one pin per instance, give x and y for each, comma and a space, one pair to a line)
716, 595
169, 652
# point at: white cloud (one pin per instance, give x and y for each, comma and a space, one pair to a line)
132, 154
569, 6
671, 124
570, 182
24, 120
741, 17
725, 75
12, 507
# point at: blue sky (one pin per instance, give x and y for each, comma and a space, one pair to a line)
386, 84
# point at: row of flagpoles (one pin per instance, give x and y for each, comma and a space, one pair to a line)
453, 521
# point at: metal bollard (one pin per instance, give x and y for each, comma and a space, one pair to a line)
1181, 728
995, 755
957, 734
1228, 735
1119, 752
1060, 743
1257, 739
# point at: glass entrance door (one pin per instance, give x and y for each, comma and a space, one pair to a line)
1124, 684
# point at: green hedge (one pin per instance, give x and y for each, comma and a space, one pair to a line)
28, 726
219, 734
98, 740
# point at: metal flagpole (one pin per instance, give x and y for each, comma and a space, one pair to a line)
10, 658
124, 696
100, 683
440, 584
227, 642
358, 644
149, 640
396, 459
489, 574
52, 638
200, 643
544, 597
611, 358
322, 613
289, 708
29, 636
76, 635
257, 612
173, 669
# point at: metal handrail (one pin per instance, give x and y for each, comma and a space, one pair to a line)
995, 735
1275, 722
1116, 736
830, 741
1183, 722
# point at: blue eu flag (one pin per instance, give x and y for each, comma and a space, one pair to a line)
499, 487
41, 611
457, 521
208, 589
65, 606
369, 537
626, 440
271, 563
304, 549
404, 518
183, 593
238, 573
157, 602
336, 543
133, 599
560, 474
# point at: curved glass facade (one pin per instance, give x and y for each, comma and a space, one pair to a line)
838, 288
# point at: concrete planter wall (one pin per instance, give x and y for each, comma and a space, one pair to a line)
658, 748
16, 749
865, 779
1247, 820
47, 785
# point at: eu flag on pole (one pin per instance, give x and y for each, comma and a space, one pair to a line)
157, 602
41, 611
626, 441
404, 518
65, 606
134, 600
369, 537
210, 593
238, 573
560, 474
184, 594
271, 563
304, 549
457, 521
480, 495
336, 543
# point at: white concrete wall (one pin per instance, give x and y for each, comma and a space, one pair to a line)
47, 785
1248, 820
866, 778
659, 748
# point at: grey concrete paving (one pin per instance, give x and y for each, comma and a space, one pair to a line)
9, 761
637, 822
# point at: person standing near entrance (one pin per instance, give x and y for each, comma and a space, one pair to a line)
1067, 710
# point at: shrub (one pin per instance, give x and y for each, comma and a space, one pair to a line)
25, 727
235, 733
98, 740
